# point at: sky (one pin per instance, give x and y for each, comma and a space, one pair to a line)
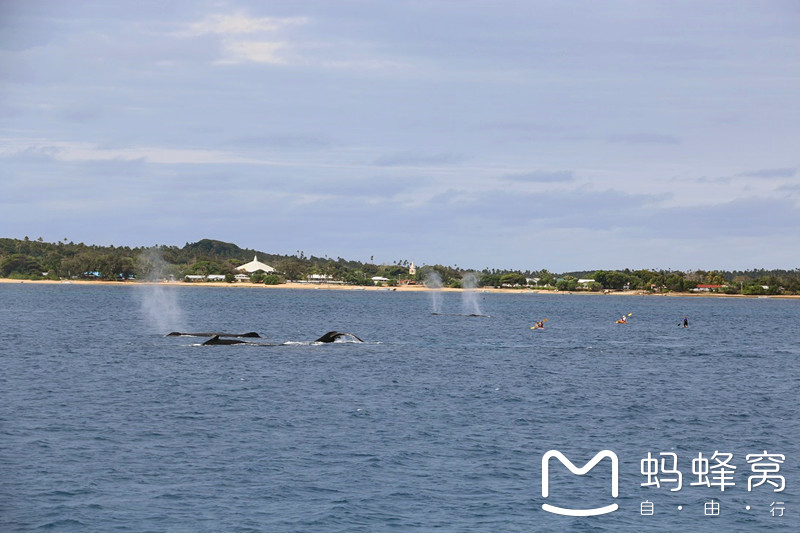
480, 134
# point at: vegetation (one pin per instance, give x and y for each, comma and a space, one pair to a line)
36, 259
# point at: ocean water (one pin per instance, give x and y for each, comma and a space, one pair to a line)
436, 422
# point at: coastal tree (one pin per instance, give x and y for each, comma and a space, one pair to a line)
490, 280
292, 268
21, 265
513, 279
68, 258
674, 282
204, 268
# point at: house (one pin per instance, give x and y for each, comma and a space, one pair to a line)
377, 280
241, 277
194, 277
707, 287
215, 277
585, 282
254, 266
319, 278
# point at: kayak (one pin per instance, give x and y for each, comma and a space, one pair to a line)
622, 321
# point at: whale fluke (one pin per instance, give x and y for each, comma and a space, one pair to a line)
250, 334
332, 336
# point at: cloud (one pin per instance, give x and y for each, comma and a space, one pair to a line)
542, 176
245, 39
706, 179
526, 211
770, 173
84, 151
252, 51
332, 118
750, 217
789, 188
282, 141
32, 154
643, 138
239, 23
370, 189
413, 159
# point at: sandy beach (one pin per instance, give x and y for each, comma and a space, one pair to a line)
401, 288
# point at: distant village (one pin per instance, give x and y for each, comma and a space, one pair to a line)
247, 272
216, 261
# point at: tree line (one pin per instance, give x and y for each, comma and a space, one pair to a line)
36, 259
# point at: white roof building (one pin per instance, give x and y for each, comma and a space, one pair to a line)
254, 266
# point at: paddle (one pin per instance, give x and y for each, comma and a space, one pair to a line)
543, 321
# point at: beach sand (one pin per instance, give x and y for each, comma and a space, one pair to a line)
401, 288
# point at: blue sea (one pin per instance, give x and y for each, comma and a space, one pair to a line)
436, 422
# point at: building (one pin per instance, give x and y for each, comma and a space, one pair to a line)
707, 288
254, 266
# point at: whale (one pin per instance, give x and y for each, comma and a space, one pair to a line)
463, 314
250, 334
216, 340
219, 339
333, 336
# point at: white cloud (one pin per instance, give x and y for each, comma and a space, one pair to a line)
245, 39
270, 40
239, 23
83, 151
255, 51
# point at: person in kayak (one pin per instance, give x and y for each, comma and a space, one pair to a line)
686, 321
623, 320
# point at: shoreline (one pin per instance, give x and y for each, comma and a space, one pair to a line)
401, 288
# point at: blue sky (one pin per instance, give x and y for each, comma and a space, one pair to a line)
516, 134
